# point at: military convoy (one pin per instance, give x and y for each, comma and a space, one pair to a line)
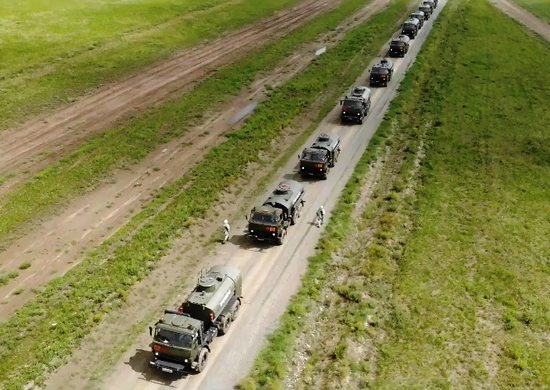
355, 107
270, 221
320, 156
420, 16
182, 337
410, 28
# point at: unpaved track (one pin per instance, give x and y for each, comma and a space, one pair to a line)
66, 128
271, 274
524, 17
57, 244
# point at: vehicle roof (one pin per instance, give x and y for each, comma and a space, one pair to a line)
384, 63
400, 38
178, 322
285, 195
358, 93
326, 141
417, 12
412, 21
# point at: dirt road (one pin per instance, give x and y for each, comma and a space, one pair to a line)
58, 243
59, 132
271, 274
524, 17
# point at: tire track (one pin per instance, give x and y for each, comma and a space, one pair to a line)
64, 129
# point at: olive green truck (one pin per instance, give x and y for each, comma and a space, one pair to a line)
182, 337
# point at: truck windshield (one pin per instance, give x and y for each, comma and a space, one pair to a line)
397, 43
351, 104
182, 340
313, 156
263, 218
379, 70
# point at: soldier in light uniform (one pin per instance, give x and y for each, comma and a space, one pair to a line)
320, 216
226, 231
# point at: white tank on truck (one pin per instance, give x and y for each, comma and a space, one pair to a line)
182, 337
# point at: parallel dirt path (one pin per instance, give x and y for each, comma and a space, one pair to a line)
67, 127
58, 243
524, 17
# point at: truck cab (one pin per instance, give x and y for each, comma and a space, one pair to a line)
420, 16
399, 46
356, 106
381, 73
321, 156
270, 221
410, 28
427, 9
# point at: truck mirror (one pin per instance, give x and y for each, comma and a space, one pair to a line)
369, 70
298, 157
246, 217
340, 102
150, 331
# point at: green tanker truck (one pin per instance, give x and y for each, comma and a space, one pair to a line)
182, 337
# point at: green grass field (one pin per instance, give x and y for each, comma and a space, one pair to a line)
134, 139
53, 51
447, 286
540, 8
31, 346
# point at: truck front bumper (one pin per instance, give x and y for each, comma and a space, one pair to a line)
166, 366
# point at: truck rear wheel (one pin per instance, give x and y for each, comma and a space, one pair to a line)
282, 238
202, 360
225, 323
235, 310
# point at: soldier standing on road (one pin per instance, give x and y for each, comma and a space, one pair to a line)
226, 230
320, 216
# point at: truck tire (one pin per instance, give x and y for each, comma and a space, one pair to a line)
235, 310
281, 239
202, 360
225, 323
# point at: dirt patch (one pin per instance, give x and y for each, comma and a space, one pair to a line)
526, 18
45, 139
59, 243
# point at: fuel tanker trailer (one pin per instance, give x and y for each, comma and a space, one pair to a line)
182, 337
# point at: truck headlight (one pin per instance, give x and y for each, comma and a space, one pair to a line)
273, 234
186, 361
251, 231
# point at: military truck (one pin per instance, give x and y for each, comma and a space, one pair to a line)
410, 28
421, 16
182, 337
270, 221
321, 156
356, 106
399, 46
427, 9
381, 73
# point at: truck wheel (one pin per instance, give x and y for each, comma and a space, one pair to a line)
282, 238
235, 310
325, 176
202, 360
224, 325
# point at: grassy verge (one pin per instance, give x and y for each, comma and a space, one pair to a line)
135, 139
538, 8
54, 51
464, 305
41, 335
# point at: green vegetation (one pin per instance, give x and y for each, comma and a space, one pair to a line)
135, 139
53, 51
539, 8
25, 265
46, 329
453, 272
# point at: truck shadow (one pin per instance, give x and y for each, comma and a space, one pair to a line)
250, 245
302, 179
139, 362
